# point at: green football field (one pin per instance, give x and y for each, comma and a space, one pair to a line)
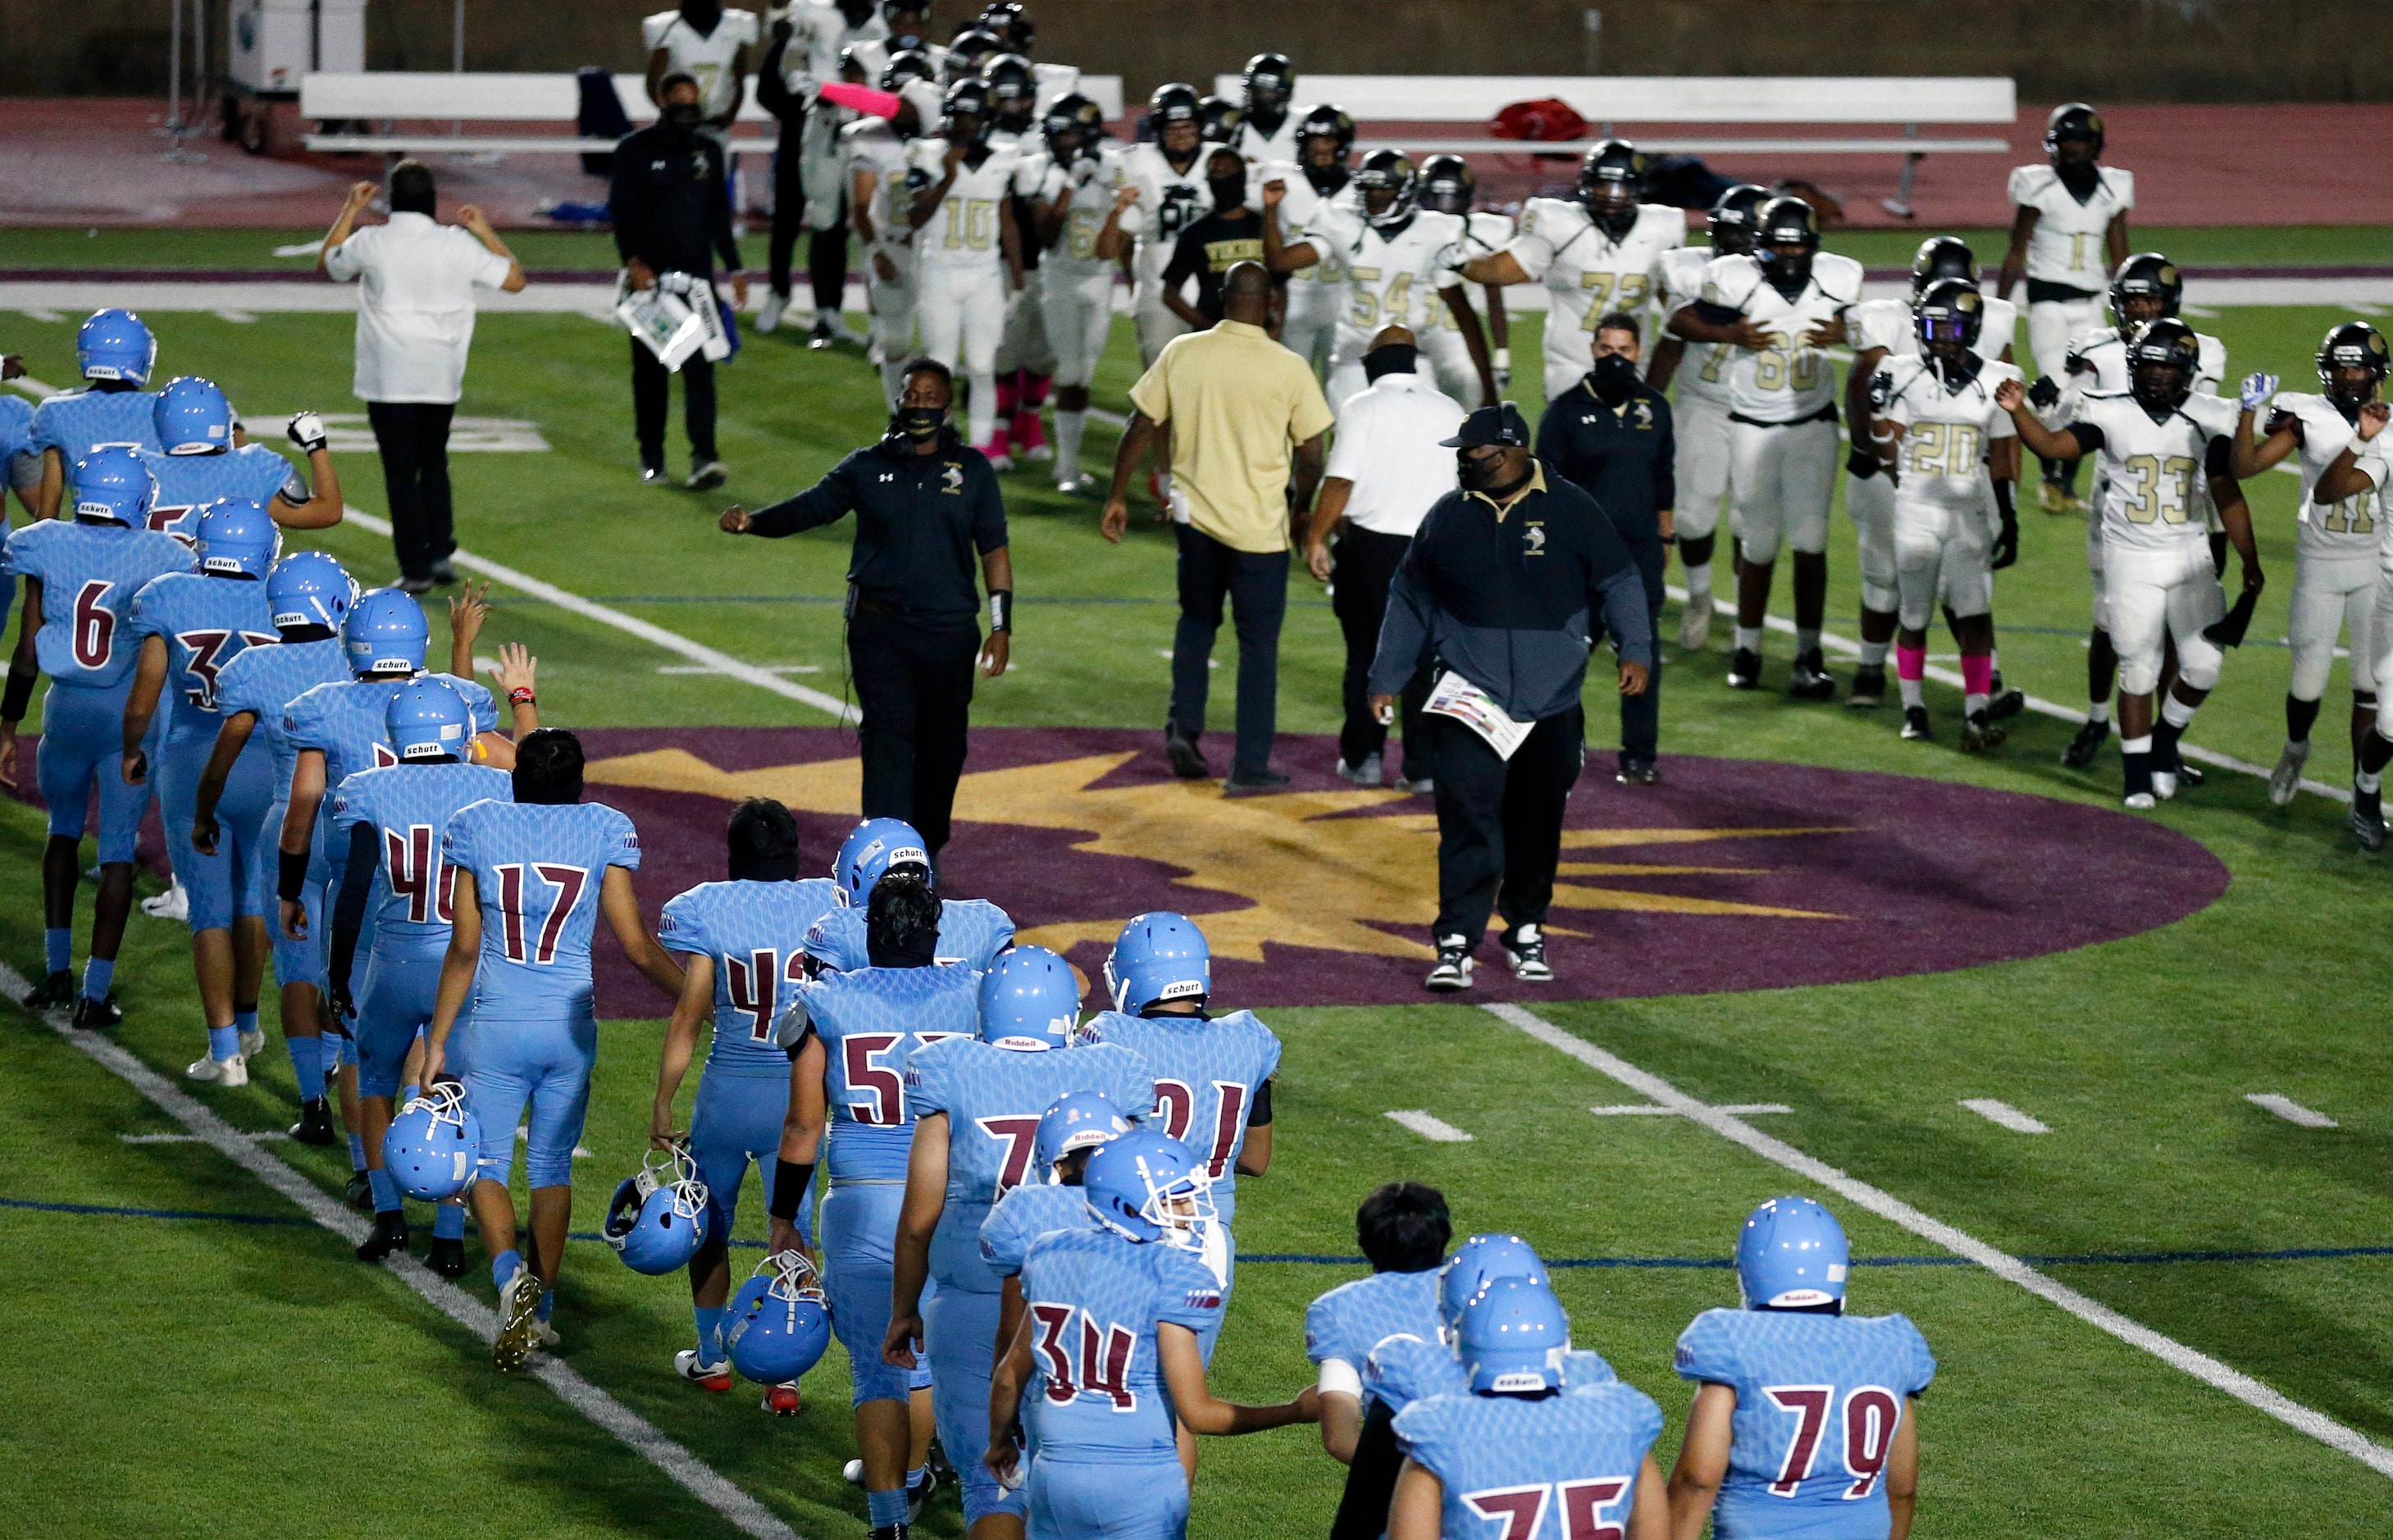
193, 1354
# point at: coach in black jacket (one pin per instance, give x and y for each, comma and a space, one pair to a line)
1501, 587
925, 503
671, 214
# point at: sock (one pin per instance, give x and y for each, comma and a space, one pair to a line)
980, 414
385, 1191
308, 1066
2375, 752
2099, 712
1971, 705
1749, 638
547, 1305
2176, 713
1995, 662
1910, 663
1699, 580
408, 1093
505, 1265
1976, 676
1873, 654
357, 1148
1069, 427
893, 382
245, 1022
2135, 755
2299, 716
710, 1333
2367, 780
1914, 691
884, 1508
1034, 389
57, 949
1806, 642
98, 974
448, 1222
223, 1042
2135, 744
917, 1476
1009, 393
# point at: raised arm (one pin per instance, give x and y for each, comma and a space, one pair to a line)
477, 225
1279, 257
344, 224
826, 501
2042, 442
2342, 478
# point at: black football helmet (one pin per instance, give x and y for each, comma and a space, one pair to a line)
1941, 256
1389, 171
1446, 183
2351, 363
852, 67
1734, 218
1012, 88
1786, 222
2146, 287
1611, 182
1010, 22
1329, 123
1949, 316
911, 64
2073, 121
1073, 114
972, 48
1218, 119
1269, 79
2163, 360
892, 10
967, 98
1172, 103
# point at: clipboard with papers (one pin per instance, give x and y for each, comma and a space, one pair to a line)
1458, 698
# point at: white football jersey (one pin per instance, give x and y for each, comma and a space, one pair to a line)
874, 55
2067, 244
1793, 379
1701, 374
1887, 323
2097, 362
1092, 179
1946, 431
2151, 492
817, 32
1297, 208
962, 232
707, 60
2344, 529
870, 144
1392, 276
1168, 202
1589, 274
1261, 149
1484, 234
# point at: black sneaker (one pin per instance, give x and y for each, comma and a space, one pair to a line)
1637, 772
2188, 772
1526, 950
1978, 734
654, 476
822, 336
917, 1496
390, 1235
358, 1192
315, 1125
1257, 781
2089, 742
54, 993
1807, 680
705, 476
97, 1015
1868, 690
2003, 703
893, 1532
1453, 969
414, 588
444, 574
1187, 760
1915, 723
2368, 817
446, 1258
1744, 669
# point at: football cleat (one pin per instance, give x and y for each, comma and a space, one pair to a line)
715, 1378
1076, 484
1415, 787
769, 314
54, 993
223, 1072
1366, 773
2059, 500
1915, 723
1637, 772
784, 1401
2141, 802
2086, 745
2286, 778
2004, 702
251, 1043
994, 451
97, 1015
1695, 623
1452, 971
518, 1321
1526, 950
414, 588
2165, 785
446, 1258
1978, 734
1807, 680
358, 1192
705, 477
1868, 688
2188, 776
824, 335
315, 1125
1744, 669
389, 1234
174, 903
444, 574
892, 1532
2368, 817
545, 1332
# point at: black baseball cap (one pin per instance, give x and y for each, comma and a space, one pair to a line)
1500, 424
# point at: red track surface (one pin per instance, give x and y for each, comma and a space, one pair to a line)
96, 162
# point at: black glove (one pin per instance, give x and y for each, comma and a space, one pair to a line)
1861, 464
2043, 395
2006, 549
344, 1009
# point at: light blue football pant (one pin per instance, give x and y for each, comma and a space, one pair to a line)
394, 1004
860, 1240
959, 1329
737, 1119
223, 885
295, 961
82, 744
545, 1062
1117, 1499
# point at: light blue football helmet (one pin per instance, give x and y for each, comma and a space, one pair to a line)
1478, 1261
868, 853
237, 539
777, 1325
1512, 1337
309, 588
1791, 1255
1149, 1186
435, 1144
111, 483
386, 633
1158, 957
658, 1218
428, 719
192, 417
1030, 999
113, 345
1078, 1120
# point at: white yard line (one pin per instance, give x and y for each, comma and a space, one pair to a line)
193, 1138
2290, 1110
694, 1475
1643, 1109
2201, 1365
696, 652
2004, 1115
1436, 1131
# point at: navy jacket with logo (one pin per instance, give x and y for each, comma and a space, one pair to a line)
920, 520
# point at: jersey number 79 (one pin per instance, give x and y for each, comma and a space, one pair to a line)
1872, 1413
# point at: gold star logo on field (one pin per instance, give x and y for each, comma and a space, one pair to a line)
1313, 873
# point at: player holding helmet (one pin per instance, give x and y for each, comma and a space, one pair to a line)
1447, 186
1069, 187
969, 248
879, 203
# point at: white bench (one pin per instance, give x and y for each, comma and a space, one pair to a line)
1907, 102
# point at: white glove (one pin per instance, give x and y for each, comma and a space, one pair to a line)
2259, 389
1501, 367
307, 430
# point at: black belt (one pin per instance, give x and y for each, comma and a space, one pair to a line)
862, 603
1825, 414
2044, 292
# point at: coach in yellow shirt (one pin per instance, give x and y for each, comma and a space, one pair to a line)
1240, 408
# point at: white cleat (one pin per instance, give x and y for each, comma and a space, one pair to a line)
2165, 785
252, 1043
1695, 624
769, 314
548, 1336
2286, 778
519, 1324
222, 1072
174, 903
1075, 486
1038, 454
853, 1472
2140, 801
706, 1376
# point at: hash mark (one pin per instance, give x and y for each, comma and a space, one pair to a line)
2004, 1114
2290, 1110
1435, 1130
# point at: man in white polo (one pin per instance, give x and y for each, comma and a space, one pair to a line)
415, 324
1387, 467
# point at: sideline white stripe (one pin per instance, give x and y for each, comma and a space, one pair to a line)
700, 1479
2201, 1365
1435, 1130
2290, 1110
696, 652
2004, 1115
1844, 648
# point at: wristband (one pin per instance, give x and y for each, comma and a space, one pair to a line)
521, 696
1001, 609
290, 881
19, 696
791, 1180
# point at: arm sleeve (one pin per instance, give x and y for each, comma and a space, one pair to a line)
1188, 1294
349, 909
772, 89
681, 927
1404, 634
1259, 1116
623, 210
1666, 459
1309, 416
2217, 460
1151, 394
343, 262
2088, 437
1370, 1480
1529, 247
824, 502
1352, 449
988, 515
1323, 1340
2022, 188
718, 212
1704, 1352
622, 843
1717, 313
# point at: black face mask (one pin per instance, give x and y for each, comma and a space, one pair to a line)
1228, 191
1326, 179
1485, 474
702, 13
683, 116
1397, 358
1614, 378
919, 425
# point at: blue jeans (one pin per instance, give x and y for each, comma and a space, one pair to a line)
1255, 582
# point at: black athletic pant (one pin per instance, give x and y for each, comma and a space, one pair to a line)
413, 439
1500, 823
652, 395
826, 254
1367, 563
1640, 716
914, 685
1255, 582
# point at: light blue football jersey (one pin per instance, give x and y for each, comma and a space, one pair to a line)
1549, 1470
994, 1098
78, 422
90, 574
189, 482
753, 932
1206, 1077
264, 681
206, 622
346, 721
972, 931
537, 869
870, 1020
1023, 1215
1094, 1298
410, 807
1817, 1401
1352, 1319
1404, 1368
16, 430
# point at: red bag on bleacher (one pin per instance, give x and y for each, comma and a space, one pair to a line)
1548, 118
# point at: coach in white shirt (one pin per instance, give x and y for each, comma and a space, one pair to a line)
416, 325
1386, 469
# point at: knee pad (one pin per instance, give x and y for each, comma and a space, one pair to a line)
2198, 661
1880, 598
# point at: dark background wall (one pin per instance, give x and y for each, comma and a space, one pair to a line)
2125, 50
